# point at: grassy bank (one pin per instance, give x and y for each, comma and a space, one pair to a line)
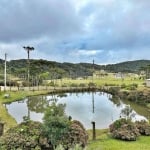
105, 142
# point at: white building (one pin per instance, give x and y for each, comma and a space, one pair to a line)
147, 82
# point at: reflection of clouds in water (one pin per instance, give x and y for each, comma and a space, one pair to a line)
18, 110
137, 117
79, 107
133, 115
36, 116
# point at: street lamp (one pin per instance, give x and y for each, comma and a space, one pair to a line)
28, 49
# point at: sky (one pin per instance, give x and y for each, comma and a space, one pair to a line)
108, 31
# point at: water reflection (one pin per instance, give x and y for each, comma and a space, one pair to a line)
85, 107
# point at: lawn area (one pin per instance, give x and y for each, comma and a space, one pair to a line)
105, 142
107, 80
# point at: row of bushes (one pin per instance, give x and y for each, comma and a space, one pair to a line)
125, 129
132, 86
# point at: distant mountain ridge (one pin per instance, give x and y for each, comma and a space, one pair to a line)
70, 69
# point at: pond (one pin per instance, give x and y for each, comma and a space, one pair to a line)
85, 107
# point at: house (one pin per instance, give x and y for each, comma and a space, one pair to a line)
100, 74
147, 82
119, 75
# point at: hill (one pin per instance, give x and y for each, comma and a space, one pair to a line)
19, 67
128, 66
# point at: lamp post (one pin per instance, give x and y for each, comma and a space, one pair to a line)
28, 49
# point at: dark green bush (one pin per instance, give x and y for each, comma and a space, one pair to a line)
132, 86
91, 84
123, 85
73, 85
82, 85
114, 90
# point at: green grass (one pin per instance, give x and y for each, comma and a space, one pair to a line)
108, 80
105, 142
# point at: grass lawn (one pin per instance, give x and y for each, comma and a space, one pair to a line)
105, 142
108, 80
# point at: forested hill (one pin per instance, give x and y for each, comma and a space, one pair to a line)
129, 66
70, 69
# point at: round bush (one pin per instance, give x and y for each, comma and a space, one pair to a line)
144, 127
124, 129
26, 135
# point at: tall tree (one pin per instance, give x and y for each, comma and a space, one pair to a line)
28, 49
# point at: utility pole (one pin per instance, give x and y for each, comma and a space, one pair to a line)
93, 73
5, 72
28, 49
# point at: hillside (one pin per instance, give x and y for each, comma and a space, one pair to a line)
128, 66
19, 67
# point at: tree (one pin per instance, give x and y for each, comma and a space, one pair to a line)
56, 123
127, 112
28, 49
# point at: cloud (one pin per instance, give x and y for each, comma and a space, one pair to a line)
87, 52
24, 20
118, 24
76, 30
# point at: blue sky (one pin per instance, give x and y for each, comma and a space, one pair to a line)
108, 31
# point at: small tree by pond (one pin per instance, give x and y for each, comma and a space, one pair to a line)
127, 112
59, 129
56, 124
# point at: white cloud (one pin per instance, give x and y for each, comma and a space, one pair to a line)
87, 52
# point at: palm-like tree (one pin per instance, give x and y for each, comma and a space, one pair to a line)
28, 49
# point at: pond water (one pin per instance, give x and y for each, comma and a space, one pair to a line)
85, 107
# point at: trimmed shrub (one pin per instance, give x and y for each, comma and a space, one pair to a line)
124, 129
144, 127
24, 136
76, 135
